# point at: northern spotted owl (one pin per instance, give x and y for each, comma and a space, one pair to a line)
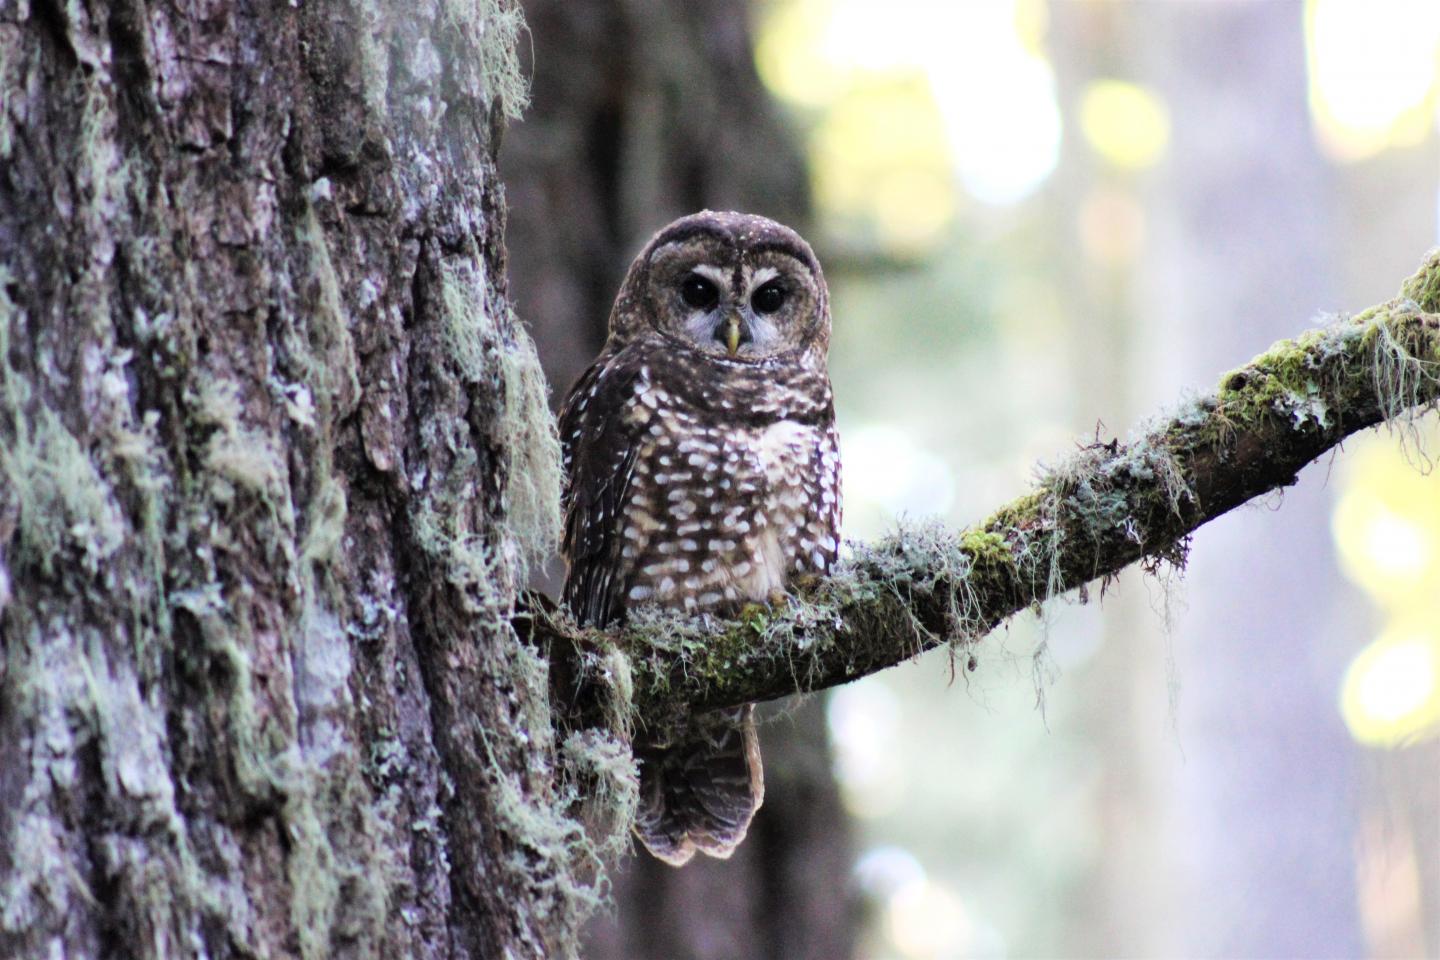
703, 473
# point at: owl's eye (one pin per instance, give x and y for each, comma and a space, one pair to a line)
768, 298
699, 292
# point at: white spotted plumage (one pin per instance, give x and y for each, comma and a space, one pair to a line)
702, 475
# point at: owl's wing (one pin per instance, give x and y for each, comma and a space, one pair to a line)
599, 441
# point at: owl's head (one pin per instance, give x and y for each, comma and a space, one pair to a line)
733, 287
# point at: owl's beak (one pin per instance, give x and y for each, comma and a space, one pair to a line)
735, 334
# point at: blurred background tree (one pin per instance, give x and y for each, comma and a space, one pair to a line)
1040, 220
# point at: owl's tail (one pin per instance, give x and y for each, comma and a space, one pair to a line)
699, 790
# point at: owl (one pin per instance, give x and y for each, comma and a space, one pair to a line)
703, 473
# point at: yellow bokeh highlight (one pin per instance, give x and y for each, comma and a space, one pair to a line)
790, 57
1374, 71
1387, 526
970, 95
1391, 693
1125, 123
881, 161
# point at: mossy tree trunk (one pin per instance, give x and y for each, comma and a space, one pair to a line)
266, 428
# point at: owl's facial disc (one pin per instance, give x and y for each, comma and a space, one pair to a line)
760, 307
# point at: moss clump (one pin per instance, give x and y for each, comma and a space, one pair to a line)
526, 432
1293, 379
241, 459
1424, 286
325, 355
1405, 366
61, 500
532, 479
913, 590
493, 29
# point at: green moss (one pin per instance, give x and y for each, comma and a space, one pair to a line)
469, 331
1288, 379
532, 446
986, 547
1424, 286
327, 355
240, 458
1405, 365
1309, 379
526, 429
493, 29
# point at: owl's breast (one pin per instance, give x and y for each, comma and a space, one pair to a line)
726, 514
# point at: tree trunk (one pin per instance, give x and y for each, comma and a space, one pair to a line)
274, 456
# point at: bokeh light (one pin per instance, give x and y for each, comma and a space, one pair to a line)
1386, 527
910, 100
881, 163
1373, 73
1391, 693
1125, 123
888, 475
885, 869
927, 920
864, 721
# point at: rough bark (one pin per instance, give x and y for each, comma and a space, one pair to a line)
272, 453
1111, 505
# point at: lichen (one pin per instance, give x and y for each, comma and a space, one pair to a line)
62, 501
241, 459
532, 482
482, 349
1423, 287
326, 354
216, 524
42, 681
1406, 377
493, 29
548, 826
9, 83
469, 330
601, 780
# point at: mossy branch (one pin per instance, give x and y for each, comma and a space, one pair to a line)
1108, 506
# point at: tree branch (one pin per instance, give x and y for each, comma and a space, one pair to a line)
1108, 506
